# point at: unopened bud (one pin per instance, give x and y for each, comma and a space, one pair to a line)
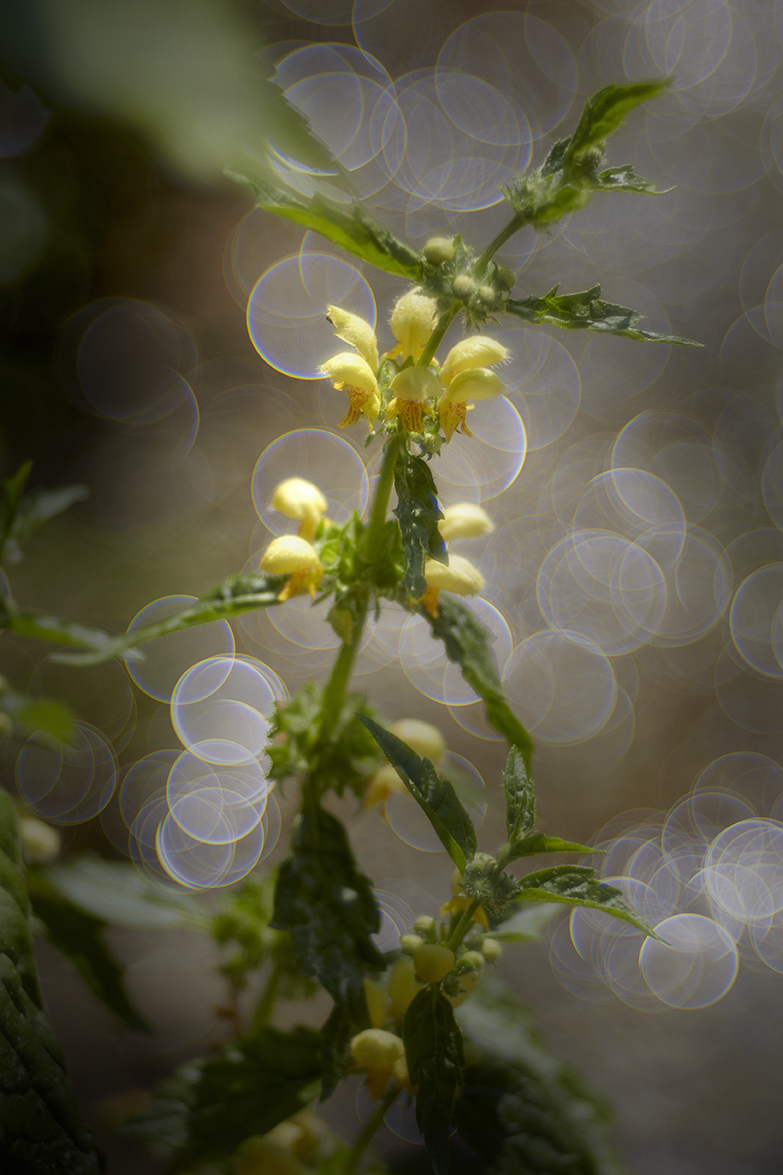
463, 286
6, 724
424, 923
421, 737
466, 520
491, 949
41, 841
410, 943
472, 961
299, 499
438, 249
487, 294
505, 277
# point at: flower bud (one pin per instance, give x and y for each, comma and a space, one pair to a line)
438, 249
381, 785
487, 294
459, 577
424, 923
354, 330
463, 286
6, 724
374, 1048
491, 949
477, 351
421, 737
41, 841
466, 520
409, 943
433, 962
412, 322
300, 499
472, 961
505, 277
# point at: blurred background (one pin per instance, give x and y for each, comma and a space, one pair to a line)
161, 345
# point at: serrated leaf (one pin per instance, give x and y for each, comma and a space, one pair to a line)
433, 1049
625, 179
78, 935
41, 1126
536, 842
520, 795
326, 902
468, 643
521, 1109
577, 885
117, 893
353, 231
605, 112
418, 513
210, 1107
435, 796
587, 311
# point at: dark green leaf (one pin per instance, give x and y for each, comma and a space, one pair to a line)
520, 1108
587, 311
47, 716
418, 513
209, 1108
327, 903
41, 1127
520, 795
101, 646
23, 514
79, 937
347, 1017
577, 885
605, 113
353, 231
625, 179
433, 1048
116, 893
13, 488
435, 796
535, 843
468, 643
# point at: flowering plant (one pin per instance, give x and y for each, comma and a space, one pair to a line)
314, 921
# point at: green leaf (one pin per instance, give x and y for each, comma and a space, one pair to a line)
433, 1048
327, 903
605, 112
577, 885
522, 1110
520, 795
116, 893
527, 923
353, 231
435, 796
47, 716
587, 311
536, 842
419, 513
347, 1018
625, 179
41, 1127
211, 1106
79, 937
24, 513
43, 627
468, 643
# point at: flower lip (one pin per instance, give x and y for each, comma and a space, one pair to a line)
412, 322
477, 351
458, 576
356, 331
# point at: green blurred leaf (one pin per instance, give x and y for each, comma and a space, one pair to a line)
116, 893
528, 922
78, 935
522, 1110
346, 1019
536, 842
355, 232
48, 716
433, 1048
22, 513
418, 513
587, 311
41, 1126
435, 796
468, 643
605, 112
211, 1106
520, 795
625, 179
577, 885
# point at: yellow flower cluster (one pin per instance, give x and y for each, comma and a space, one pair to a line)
447, 395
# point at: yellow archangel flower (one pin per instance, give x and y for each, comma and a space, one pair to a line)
458, 576
352, 373
412, 387
412, 322
356, 331
291, 555
476, 383
300, 499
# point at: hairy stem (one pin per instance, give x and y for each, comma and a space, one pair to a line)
367, 1132
436, 338
517, 222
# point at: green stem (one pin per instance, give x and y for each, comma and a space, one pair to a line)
465, 919
367, 1132
436, 338
517, 222
263, 1009
380, 505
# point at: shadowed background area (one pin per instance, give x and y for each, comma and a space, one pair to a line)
163, 340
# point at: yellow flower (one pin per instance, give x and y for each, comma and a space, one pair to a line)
382, 1056
458, 576
477, 351
412, 322
476, 383
300, 499
423, 738
353, 374
291, 555
412, 387
356, 331
465, 520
